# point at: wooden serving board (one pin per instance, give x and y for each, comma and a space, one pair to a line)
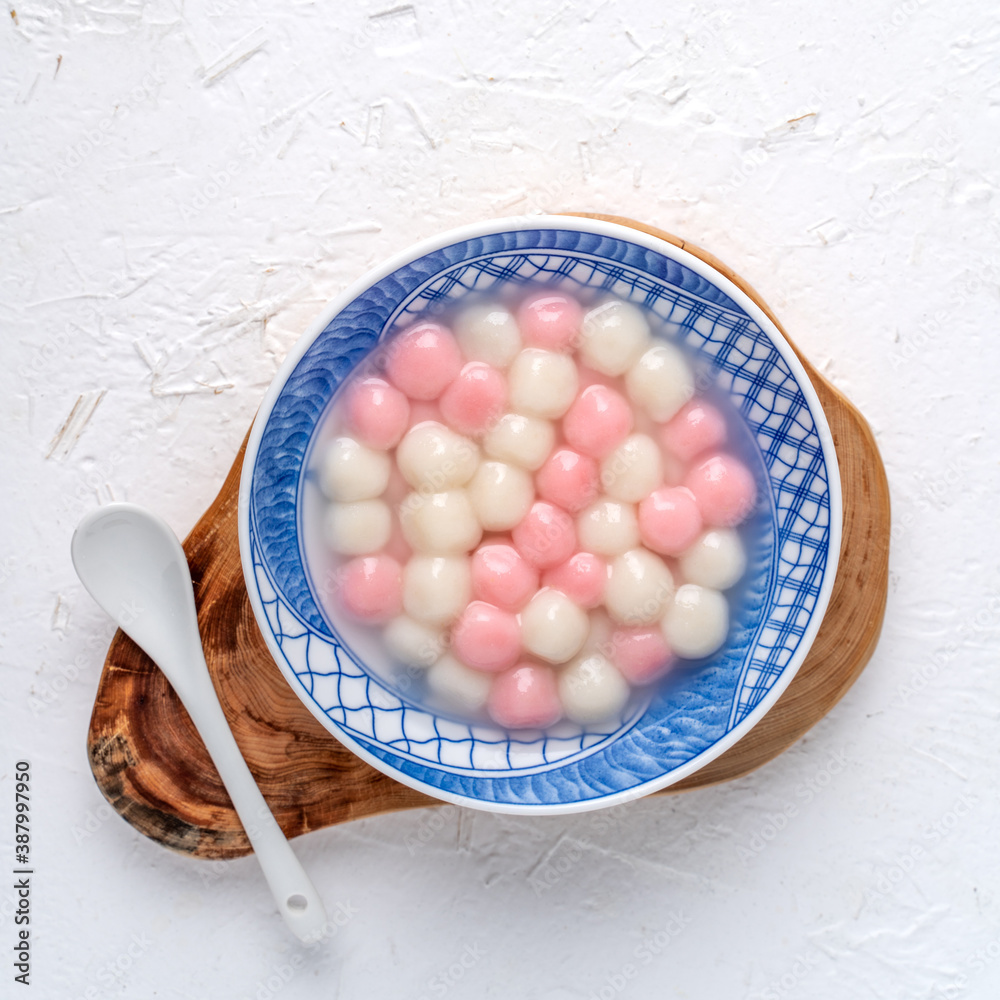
153, 768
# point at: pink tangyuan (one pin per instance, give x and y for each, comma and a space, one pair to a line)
525, 697
568, 479
371, 588
551, 321
475, 400
422, 360
582, 578
546, 536
377, 413
641, 654
598, 421
669, 520
501, 576
725, 490
697, 427
486, 638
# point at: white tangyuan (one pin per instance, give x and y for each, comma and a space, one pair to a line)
614, 334
640, 587
661, 381
697, 622
608, 528
433, 458
592, 690
459, 685
717, 559
633, 470
521, 440
445, 523
351, 471
488, 332
413, 643
357, 528
542, 383
553, 627
501, 495
436, 589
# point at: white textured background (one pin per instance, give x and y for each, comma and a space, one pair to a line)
183, 185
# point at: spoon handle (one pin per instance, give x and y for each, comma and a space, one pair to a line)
296, 896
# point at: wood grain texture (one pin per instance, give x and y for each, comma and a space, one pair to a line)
154, 770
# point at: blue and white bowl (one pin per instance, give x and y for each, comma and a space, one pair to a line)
684, 723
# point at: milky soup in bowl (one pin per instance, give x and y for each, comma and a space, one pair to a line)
529, 507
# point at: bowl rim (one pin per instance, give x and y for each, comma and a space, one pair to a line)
599, 227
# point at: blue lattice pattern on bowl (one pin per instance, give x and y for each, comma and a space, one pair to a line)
686, 722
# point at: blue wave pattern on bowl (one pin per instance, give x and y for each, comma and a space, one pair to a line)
687, 716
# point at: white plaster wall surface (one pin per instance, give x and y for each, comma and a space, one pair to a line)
183, 185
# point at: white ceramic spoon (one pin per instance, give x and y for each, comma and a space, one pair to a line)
134, 567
